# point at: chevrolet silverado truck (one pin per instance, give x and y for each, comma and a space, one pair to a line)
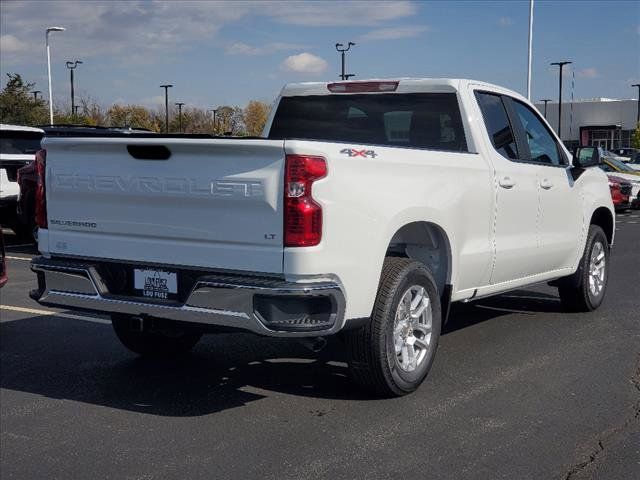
366, 208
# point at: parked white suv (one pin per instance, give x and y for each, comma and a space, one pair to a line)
18, 146
367, 209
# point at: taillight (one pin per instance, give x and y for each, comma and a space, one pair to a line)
302, 215
41, 191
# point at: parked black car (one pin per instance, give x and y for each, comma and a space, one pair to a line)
3, 263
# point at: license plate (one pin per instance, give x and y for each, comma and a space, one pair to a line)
158, 284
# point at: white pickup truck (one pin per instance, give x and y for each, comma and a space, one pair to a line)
18, 145
367, 208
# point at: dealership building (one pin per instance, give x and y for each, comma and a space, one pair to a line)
603, 122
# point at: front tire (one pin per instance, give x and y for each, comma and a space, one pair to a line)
584, 290
393, 353
167, 342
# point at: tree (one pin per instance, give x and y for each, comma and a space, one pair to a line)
635, 137
255, 116
17, 104
134, 116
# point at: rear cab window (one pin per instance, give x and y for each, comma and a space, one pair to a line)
415, 120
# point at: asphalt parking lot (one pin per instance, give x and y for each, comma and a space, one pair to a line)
519, 390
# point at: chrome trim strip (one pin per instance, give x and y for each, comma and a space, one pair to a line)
222, 300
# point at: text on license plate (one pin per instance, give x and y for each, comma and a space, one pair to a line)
155, 283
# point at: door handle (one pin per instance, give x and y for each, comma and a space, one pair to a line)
507, 182
546, 183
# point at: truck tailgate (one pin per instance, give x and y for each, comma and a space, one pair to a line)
214, 203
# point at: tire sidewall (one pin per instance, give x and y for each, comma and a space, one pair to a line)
597, 235
409, 381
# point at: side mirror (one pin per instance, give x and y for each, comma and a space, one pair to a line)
585, 157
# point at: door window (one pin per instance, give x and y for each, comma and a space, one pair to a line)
542, 146
497, 123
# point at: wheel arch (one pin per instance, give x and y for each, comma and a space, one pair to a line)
603, 217
428, 243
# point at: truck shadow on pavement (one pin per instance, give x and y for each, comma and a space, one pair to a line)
81, 361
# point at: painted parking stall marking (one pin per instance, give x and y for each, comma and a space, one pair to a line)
49, 313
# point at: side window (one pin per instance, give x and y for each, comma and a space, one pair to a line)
541, 143
497, 123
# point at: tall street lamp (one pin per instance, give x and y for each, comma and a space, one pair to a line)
46, 38
341, 48
179, 105
530, 50
214, 110
166, 106
35, 95
638, 112
72, 66
561, 65
545, 100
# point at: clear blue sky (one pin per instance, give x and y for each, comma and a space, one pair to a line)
230, 52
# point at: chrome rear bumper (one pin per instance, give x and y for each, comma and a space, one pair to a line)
235, 301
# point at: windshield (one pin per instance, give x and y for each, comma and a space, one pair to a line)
621, 166
19, 143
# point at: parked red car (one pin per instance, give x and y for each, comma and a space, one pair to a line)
3, 263
27, 181
620, 192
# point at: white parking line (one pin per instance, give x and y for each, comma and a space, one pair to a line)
34, 311
18, 258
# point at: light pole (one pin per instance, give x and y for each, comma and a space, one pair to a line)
530, 50
166, 106
72, 66
561, 65
46, 41
75, 110
545, 100
340, 48
214, 110
35, 95
179, 105
638, 113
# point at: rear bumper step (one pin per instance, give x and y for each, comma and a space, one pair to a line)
266, 306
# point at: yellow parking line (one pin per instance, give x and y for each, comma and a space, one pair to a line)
34, 311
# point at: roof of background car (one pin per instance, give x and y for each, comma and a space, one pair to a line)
89, 130
405, 85
19, 128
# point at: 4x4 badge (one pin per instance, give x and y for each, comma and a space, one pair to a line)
352, 152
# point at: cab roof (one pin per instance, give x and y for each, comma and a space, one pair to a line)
405, 85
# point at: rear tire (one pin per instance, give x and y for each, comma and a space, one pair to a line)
393, 353
168, 342
25, 233
584, 291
